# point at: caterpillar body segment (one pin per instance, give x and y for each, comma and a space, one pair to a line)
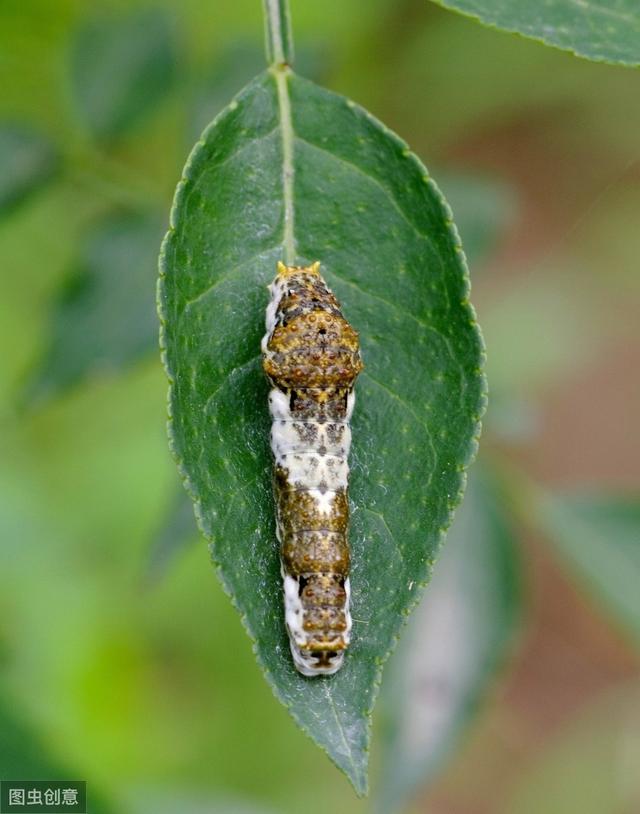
311, 356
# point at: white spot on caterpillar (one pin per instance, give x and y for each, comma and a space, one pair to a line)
279, 405
293, 612
347, 610
294, 451
351, 403
276, 290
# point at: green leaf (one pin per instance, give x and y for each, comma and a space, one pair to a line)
27, 161
292, 171
600, 30
600, 537
104, 318
457, 638
121, 68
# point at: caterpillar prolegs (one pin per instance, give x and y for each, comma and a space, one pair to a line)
311, 356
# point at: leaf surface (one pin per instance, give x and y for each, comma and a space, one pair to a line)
600, 30
600, 537
457, 638
290, 171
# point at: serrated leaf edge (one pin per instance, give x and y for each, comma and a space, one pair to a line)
359, 780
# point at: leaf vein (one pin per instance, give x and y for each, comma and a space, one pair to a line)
214, 167
382, 519
227, 276
387, 192
403, 312
411, 411
243, 148
226, 378
348, 751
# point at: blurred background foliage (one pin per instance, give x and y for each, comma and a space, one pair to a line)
515, 688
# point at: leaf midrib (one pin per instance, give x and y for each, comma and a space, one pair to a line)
385, 190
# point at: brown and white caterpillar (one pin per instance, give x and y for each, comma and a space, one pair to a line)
311, 356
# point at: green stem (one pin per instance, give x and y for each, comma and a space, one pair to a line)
278, 38
279, 46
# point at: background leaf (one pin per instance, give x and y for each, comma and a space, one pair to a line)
364, 206
24, 755
236, 66
483, 209
27, 161
177, 532
600, 537
120, 68
456, 638
604, 31
104, 317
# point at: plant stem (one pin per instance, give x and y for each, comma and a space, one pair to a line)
278, 38
279, 48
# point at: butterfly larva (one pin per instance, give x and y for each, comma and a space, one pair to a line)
311, 356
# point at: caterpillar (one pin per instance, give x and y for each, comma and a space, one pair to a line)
311, 357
